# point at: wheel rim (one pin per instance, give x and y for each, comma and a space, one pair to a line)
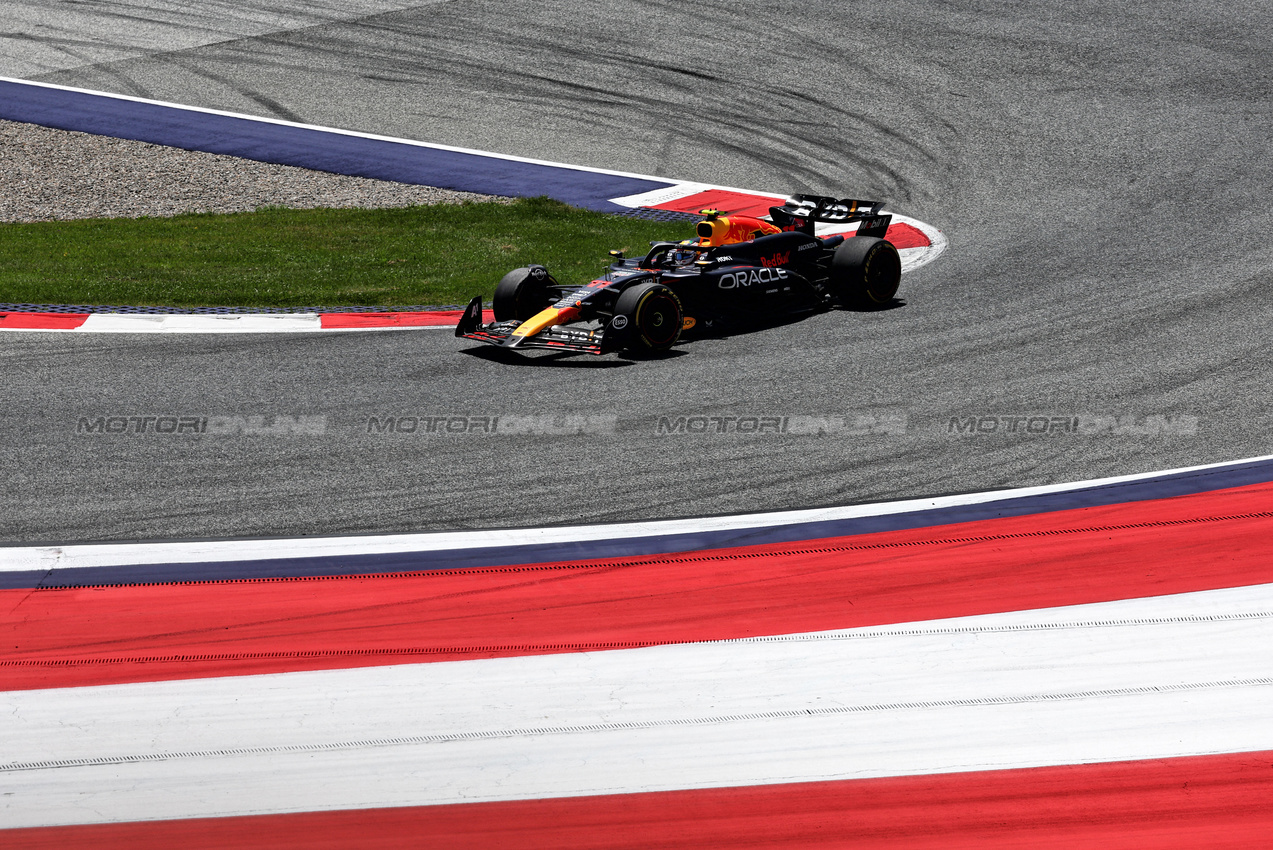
658, 318
880, 273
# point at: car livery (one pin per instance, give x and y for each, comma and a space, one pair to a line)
740, 271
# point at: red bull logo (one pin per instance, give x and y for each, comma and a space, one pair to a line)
732, 230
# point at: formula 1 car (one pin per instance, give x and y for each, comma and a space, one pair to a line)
740, 271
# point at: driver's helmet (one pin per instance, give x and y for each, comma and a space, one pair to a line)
682, 254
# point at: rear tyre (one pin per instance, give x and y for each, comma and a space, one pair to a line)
865, 272
650, 316
522, 293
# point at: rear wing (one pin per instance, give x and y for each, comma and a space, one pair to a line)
800, 212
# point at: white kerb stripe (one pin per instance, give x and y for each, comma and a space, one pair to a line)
128, 323
1154, 678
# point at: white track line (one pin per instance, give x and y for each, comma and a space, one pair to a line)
79, 555
1173, 676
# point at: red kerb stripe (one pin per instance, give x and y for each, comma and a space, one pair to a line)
1209, 801
902, 235
62, 638
42, 321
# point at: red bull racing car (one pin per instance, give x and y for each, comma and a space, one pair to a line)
739, 271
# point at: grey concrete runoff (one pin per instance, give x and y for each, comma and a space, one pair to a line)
1103, 308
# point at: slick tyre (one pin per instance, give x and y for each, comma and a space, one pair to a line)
522, 293
653, 317
865, 272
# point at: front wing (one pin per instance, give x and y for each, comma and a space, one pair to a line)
557, 337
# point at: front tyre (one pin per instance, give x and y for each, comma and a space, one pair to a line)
865, 271
522, 293
649, 316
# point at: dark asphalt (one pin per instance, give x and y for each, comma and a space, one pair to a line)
1101, 171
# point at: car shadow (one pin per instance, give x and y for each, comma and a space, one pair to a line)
874, 308
557, 359
579, 360
742, 327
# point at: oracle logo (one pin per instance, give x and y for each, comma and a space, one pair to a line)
747, 278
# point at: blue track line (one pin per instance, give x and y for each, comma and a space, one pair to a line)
316, 148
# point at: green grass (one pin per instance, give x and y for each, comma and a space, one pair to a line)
431, 255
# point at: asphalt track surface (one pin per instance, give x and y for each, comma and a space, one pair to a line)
1099, 170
